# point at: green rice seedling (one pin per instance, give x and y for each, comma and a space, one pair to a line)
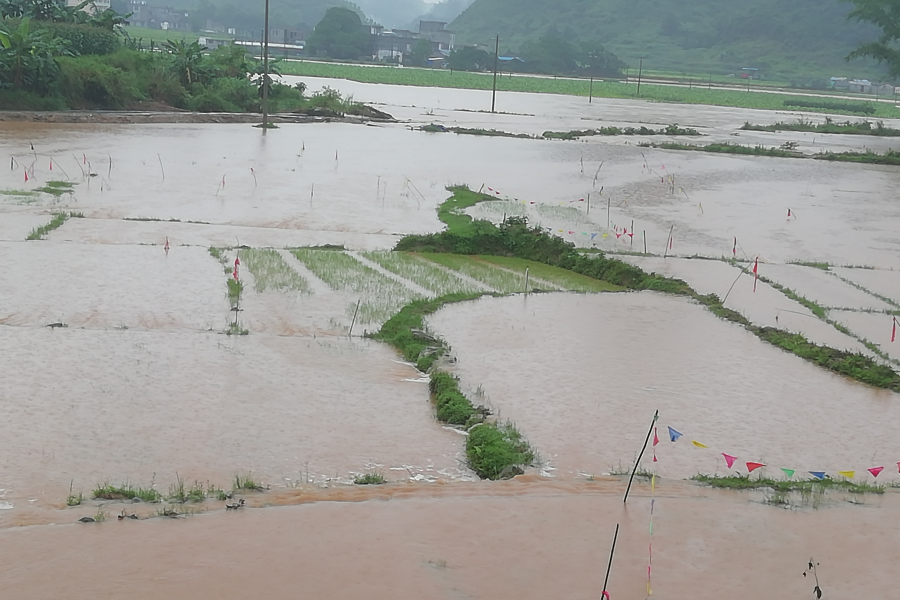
271, 271
561, 278
18, 193
422, 272
381, 296
745, 482
246, 482
38, 233
101, 515
197, 493
496, 278
56, 188
236, 329
369, 479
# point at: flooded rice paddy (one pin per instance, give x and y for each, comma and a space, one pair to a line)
137, 383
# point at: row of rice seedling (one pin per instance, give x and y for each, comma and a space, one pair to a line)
422, 272
381, 296
271, 271
566, 280
497, 209
499, 279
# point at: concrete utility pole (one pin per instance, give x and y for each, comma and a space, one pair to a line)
265, 90
496, 64
640, 71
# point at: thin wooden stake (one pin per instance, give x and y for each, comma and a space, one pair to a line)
526, 279
608, 205
668, 239
645, 241
640, 456
612, 553
358, 302
160, 166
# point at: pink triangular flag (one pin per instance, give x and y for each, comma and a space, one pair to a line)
752, 466
655, 437
876, 471
729, 459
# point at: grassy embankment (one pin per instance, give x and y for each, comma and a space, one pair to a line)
671, 130
891, 157
39, 233
745, 482
496, 450
580, 87
829, 126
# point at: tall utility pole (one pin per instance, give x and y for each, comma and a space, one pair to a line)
496, 64
640, 70
265, 90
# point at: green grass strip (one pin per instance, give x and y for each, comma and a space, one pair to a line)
744, 482
38, 233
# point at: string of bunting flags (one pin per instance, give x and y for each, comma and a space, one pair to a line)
734, 462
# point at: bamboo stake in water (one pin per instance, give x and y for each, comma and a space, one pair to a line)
352, 323
608, 205
526, 279
160, 166
668, 241
589, 203
612, 553
645, 241
640, 456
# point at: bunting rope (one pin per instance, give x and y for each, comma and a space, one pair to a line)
652, 506
751, 466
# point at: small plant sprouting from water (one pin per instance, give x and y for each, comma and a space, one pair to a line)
177, 491
74, 499
101, 515
813, 568
246, 482
369, 479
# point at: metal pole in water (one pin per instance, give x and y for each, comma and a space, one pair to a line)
640, 456
645, 241
352, 323
265, 90
612, 552
591, 92
496, 61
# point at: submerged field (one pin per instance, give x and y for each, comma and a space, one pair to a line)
127, 369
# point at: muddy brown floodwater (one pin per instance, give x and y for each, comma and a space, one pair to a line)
137, 383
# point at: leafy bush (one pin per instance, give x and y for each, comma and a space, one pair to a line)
13, 99
497, 451
91, 82
84, 39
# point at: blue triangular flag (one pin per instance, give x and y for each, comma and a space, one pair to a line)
593, 235
674, 435
818, 474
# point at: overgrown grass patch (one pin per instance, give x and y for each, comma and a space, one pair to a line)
498, 451
746, 482
369, 479
107, 491
56, 188
246, 481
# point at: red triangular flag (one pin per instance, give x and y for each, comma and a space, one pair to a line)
789, 214
734, 248
756, 266
51, 164
655, 437
26, 175
235, 274
752, 466
875, 471
729, 460
237, 261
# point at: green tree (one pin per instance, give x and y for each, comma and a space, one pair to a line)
187, 60
28, 58
884, 14
340, 34
421, 52
470, 58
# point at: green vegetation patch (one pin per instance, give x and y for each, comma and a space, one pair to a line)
745, 482
39, 233
498, 451
125, 492
381, 296
866, 108
56, 188
422, 272
829, 126
673, 129
271, 272
369, 479
562, 278
432, 128
727, 148
497, 279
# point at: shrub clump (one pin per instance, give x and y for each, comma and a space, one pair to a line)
498, 451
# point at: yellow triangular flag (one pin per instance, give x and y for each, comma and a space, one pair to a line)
699, 445
847, 474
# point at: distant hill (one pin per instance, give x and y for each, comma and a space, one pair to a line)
250, 15
785, 39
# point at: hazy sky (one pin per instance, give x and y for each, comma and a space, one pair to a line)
402, 13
